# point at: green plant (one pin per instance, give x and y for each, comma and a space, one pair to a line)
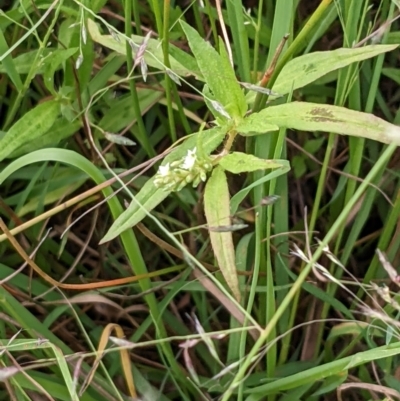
78, 90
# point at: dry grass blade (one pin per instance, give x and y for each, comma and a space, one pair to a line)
372, 388
78, 287
390, 270
126, 363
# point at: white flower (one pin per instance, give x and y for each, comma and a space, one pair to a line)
163, 171
189, 160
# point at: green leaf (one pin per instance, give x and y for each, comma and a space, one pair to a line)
217, 72
23, 62
29, 127
238, 162
305, 69
318, 373
119, 114
153, 56
239, 196
53, 62
320, 117
216, 207
392, 73
149, 196
60, 130
254, 125
8, 64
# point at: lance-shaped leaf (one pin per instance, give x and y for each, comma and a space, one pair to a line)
149, 196
305, 69
321, 117
34, 124
238, 162
181, 63
216, 205
217, 72
61, 129
253, 125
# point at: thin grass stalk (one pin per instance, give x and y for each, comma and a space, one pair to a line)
197, 18
240, 39
257, 40
212, 23
276, 274
295, 46
251, 298
136, 17
356, 157
355, 154
143, 137
388, 152
267, 147
32, 72
168, 83
385, 239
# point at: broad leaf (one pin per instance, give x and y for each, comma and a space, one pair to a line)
303, 70
238, 162
34, 124
149, 196
320, 117
253, 125
216, 206
61, 129
181, 63
306, 69
218, 73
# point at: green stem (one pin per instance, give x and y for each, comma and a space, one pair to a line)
168, 84
142, 137
257, 40
33, 69
136, 17
305, 272
293, 48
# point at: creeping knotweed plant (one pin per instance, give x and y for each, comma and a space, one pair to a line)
190, 169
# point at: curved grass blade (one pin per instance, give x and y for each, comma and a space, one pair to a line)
125, 359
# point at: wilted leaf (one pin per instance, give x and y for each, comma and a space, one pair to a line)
119, 139
181, 63
125, 359
79, 61
216, 206
238, 162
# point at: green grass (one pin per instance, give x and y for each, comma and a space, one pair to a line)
301, 317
